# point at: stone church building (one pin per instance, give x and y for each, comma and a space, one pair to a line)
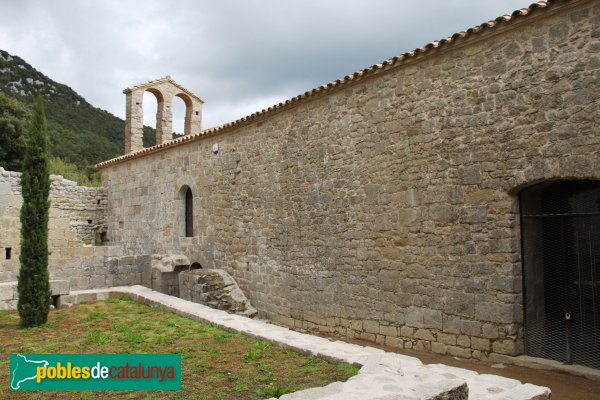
447, 199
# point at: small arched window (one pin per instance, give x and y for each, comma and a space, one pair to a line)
189, 213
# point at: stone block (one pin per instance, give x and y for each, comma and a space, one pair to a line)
111, 264
423, 345
8, 305
389, 280
380, 339
506, 346
432, 319
489, 331
125, 260
58, 287
471, 328
394, 342
85, 298
459, 352
446, 338
507, 284
7, 291
439, 348
366, 336
499, 381
406, 216
113, 251
423, 318
407, 332
98, 281
463, 341
371, 326
5, 189
142, 262
388, 330
527, 391
494, 312
473, 214
459, 303
167, 263
356, 325
469, 175
480, 344
65, 301
443, 213
128, 279
443, 390
424, 334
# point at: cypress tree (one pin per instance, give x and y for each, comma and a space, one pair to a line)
34, 285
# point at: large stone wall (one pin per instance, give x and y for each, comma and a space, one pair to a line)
76, 215
386, 210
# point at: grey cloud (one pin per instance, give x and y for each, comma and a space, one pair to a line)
231, 53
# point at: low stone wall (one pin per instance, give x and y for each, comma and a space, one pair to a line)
161, 271
10, 236
382, 375
9, 294
77, 216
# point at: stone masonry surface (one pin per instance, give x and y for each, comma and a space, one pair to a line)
387, 209
165, 90
214, 288
383, 376
77, 214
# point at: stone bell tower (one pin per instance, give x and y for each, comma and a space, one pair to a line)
164, 89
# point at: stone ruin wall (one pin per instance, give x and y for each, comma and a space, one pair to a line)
76, 215
386, 210
77, 260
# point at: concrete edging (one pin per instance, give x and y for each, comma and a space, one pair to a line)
383, 375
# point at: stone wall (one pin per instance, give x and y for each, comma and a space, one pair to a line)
76, 215
10, 204
387, 209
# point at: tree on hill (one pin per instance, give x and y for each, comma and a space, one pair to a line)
34, 285
14, 120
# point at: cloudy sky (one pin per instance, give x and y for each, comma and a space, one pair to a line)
239, 56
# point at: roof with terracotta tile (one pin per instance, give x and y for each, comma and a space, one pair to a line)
475, 32
158, 81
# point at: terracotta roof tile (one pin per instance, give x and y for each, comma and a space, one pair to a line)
376, 68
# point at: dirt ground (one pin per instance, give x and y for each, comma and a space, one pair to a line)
564, 386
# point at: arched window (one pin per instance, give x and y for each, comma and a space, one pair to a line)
189, 213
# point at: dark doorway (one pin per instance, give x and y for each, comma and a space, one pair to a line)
189, 213
560, 224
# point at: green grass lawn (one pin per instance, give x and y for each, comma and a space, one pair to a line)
216, 363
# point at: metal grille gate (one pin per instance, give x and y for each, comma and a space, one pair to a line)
560, 224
